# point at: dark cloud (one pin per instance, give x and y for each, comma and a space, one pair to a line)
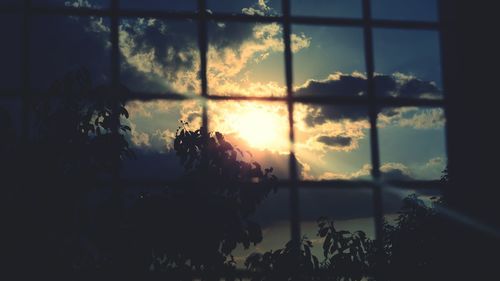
167, 39
341, 85
61, 44
395, 174
320, 114
229, 35
335, 141
350, 85
396, 85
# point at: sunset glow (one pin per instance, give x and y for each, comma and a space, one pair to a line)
260, 128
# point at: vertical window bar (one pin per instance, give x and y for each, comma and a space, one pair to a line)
25, 70
445, 62
115, 95
294, 192
115, 49
375, 157
202, 44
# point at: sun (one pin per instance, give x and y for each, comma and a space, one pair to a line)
260, 125
260, 128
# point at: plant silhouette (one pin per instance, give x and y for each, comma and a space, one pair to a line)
415, 248
347, 256
77, 139
196, 224
74, 137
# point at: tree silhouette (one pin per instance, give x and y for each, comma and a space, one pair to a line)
414, 249
347, 256
75, 137
193, 225
285, 263
197, 223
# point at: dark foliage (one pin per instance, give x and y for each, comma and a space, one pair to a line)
347, 256
192, 226
196, 224
284, 264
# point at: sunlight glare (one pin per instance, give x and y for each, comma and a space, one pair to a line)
260, 125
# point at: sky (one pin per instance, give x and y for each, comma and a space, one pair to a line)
245, 59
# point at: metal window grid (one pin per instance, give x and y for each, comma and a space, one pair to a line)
371, 101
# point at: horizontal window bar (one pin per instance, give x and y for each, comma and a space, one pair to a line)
303, 184
71, 11
325, 100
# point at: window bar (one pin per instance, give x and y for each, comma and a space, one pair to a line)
444, 63
375, 157
115, 95
115, 49
294, 192
202, 45
25, 71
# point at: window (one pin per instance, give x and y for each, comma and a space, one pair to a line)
372, 79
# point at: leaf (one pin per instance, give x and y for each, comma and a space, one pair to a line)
307, 250
249, 153
124, 112
322, 232
316, 262
241, 152
326, 245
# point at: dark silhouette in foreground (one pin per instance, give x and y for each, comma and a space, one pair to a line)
77, 141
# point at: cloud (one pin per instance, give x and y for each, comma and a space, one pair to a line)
227, 62
139, 138
430, 170
335, 141
260, 8
336, 84
394, 85
424, 119
62, 44
395, 171
351, 85
161, 53
389, 171
324, 128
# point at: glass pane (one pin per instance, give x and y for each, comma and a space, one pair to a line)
10, 68
332, 142
421, 10
416, 234
60, 45
154, 127
407, 63
328, 61
245, 59
160, 56
327, 8
272, 215
166, 224
258, 131
155, 5
412, 143
340, 226
248, 7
